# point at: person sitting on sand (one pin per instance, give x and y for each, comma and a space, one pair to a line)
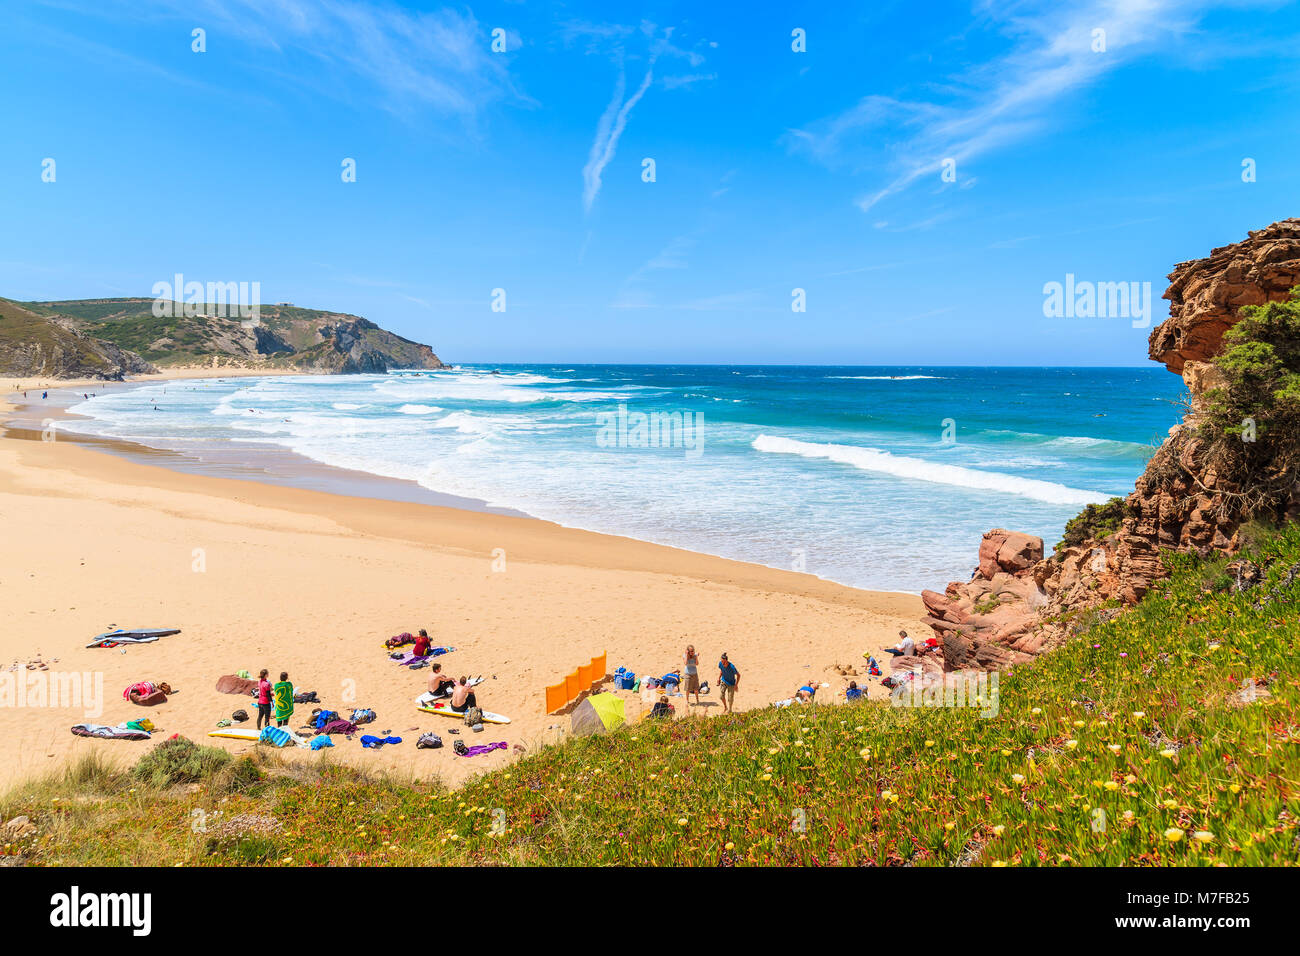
854, 692
691, 669
283, 691
440, 684
662, 708
806, 693
904, 648
462, 696
422, 644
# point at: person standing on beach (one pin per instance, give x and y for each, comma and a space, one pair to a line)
728, 681
263, 699
283, 700
691, 672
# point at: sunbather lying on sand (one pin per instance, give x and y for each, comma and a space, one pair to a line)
147, 693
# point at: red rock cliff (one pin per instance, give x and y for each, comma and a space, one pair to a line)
1018, 604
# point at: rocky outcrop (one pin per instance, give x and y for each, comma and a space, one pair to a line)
1018, 603
357, 345
1205, 296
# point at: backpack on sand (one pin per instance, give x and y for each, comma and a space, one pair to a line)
428, 741
473, 715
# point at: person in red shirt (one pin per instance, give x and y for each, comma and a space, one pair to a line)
263, 699
422, 644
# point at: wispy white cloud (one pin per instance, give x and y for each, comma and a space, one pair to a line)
633, 294
1052, 54
612, 123
439, 60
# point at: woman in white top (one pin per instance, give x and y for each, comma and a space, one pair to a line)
691, 675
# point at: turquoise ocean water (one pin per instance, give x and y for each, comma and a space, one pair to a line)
881, 478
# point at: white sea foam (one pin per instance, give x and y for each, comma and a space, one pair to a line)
873, 459
881, 378
419, 409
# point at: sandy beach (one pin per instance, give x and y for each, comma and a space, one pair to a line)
263, 575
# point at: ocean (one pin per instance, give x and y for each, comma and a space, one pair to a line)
881, 478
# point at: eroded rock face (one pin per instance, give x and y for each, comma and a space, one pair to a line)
1018, 604
1205, 294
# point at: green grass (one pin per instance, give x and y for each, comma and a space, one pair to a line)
1140, 717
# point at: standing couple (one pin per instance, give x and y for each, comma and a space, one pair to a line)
728, 678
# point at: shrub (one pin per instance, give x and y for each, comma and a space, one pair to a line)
179, 760
1251, 422
1094, 521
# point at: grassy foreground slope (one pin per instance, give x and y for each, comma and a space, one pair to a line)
1179, 721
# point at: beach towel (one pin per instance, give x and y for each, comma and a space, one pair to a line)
277, 736
374, 743
479, 749
283, 700
336, 726
408, 658
234, 684
120, 732
320, 742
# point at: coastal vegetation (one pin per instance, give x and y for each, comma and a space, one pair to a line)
1095, 521
1165, 735
1251, 423
123, 336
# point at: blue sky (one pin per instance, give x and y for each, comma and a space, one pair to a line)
775, 169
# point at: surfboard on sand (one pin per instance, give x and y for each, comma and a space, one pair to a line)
252, 734
442, 707
139, 635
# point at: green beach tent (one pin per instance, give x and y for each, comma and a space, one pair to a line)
597, 714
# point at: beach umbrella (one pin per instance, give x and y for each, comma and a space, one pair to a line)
597, 714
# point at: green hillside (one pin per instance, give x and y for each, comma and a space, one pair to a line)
34, 344
1179, 721
283, 336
